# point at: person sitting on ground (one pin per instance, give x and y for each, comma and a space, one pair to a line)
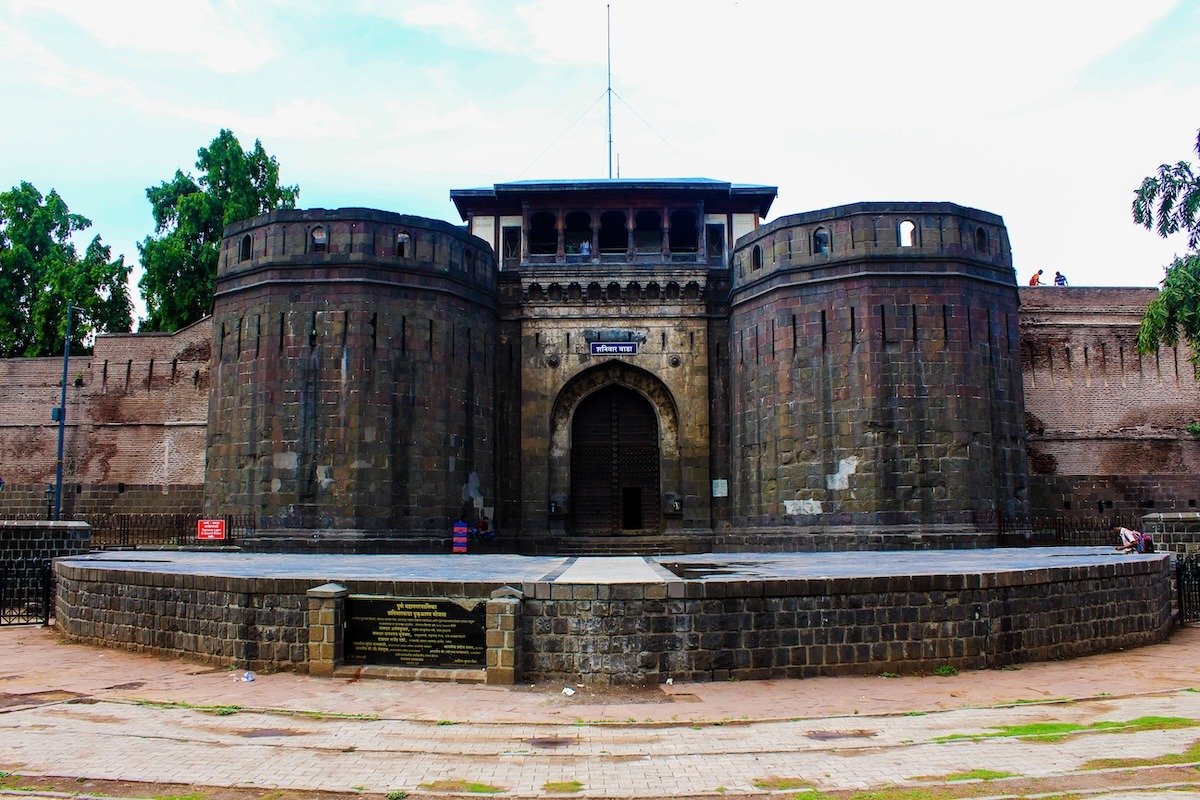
484, 529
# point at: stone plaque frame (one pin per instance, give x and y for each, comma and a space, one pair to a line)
415, 631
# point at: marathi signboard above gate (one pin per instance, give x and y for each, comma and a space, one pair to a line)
614, 348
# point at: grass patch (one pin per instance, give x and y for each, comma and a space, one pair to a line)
1188, 756
1057, 731
774, 783
398, 794
188, 796
562, 787
891, 674
896, 793
970, 775
946, 671
458, 785
446, 722
1033, 701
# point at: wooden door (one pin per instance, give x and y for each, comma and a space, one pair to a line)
615, 464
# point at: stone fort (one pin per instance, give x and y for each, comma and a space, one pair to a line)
619, 366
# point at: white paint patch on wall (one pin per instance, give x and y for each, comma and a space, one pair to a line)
798, 507
841, 478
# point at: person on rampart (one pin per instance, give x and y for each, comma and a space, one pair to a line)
1060, 279
1036, 280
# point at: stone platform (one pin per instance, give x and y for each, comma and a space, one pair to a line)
633, 620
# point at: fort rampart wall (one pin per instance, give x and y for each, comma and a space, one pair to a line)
1107, 426
135, 426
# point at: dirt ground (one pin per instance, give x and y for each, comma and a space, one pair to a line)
37, 668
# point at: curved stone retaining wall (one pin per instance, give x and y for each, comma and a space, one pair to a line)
692, 628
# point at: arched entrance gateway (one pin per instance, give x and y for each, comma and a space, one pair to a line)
614, 464
614, 454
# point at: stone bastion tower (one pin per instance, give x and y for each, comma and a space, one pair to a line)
875, 385
352, 379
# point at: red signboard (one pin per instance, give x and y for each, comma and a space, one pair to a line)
210, 529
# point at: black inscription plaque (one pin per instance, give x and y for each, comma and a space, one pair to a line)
414, 632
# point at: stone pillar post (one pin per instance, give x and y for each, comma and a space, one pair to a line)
503, 625
326, 621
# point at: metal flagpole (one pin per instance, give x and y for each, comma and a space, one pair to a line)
608, 23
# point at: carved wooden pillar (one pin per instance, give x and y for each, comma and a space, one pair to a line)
524, 232
665, 227
629, 225
560, 249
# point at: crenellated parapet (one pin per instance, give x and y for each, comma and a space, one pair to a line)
834, 242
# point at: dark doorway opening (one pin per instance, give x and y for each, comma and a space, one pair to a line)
631, 508
615, 464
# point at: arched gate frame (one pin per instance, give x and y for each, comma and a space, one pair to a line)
637, 380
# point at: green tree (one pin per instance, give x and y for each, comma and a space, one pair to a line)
1169, 202
41, 272
190, 215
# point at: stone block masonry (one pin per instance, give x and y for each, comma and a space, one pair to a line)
24, 545
750, 630
1050, 604
353, 366
875, 379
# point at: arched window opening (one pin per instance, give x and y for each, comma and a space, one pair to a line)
577, 233
906, 233
543, 237
613, 236
756, 258
402, 242
684, 237
822, 242
244, 251
981, 240
647, 232
320, 240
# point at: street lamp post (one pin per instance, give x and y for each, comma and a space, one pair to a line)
62, 416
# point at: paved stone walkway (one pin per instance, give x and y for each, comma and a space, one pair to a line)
80, 711
499, 567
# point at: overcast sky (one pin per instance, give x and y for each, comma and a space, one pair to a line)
1048, 113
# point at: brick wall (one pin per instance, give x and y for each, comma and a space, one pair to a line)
1106, 425
136, 416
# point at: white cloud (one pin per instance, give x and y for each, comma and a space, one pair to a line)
220, 36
